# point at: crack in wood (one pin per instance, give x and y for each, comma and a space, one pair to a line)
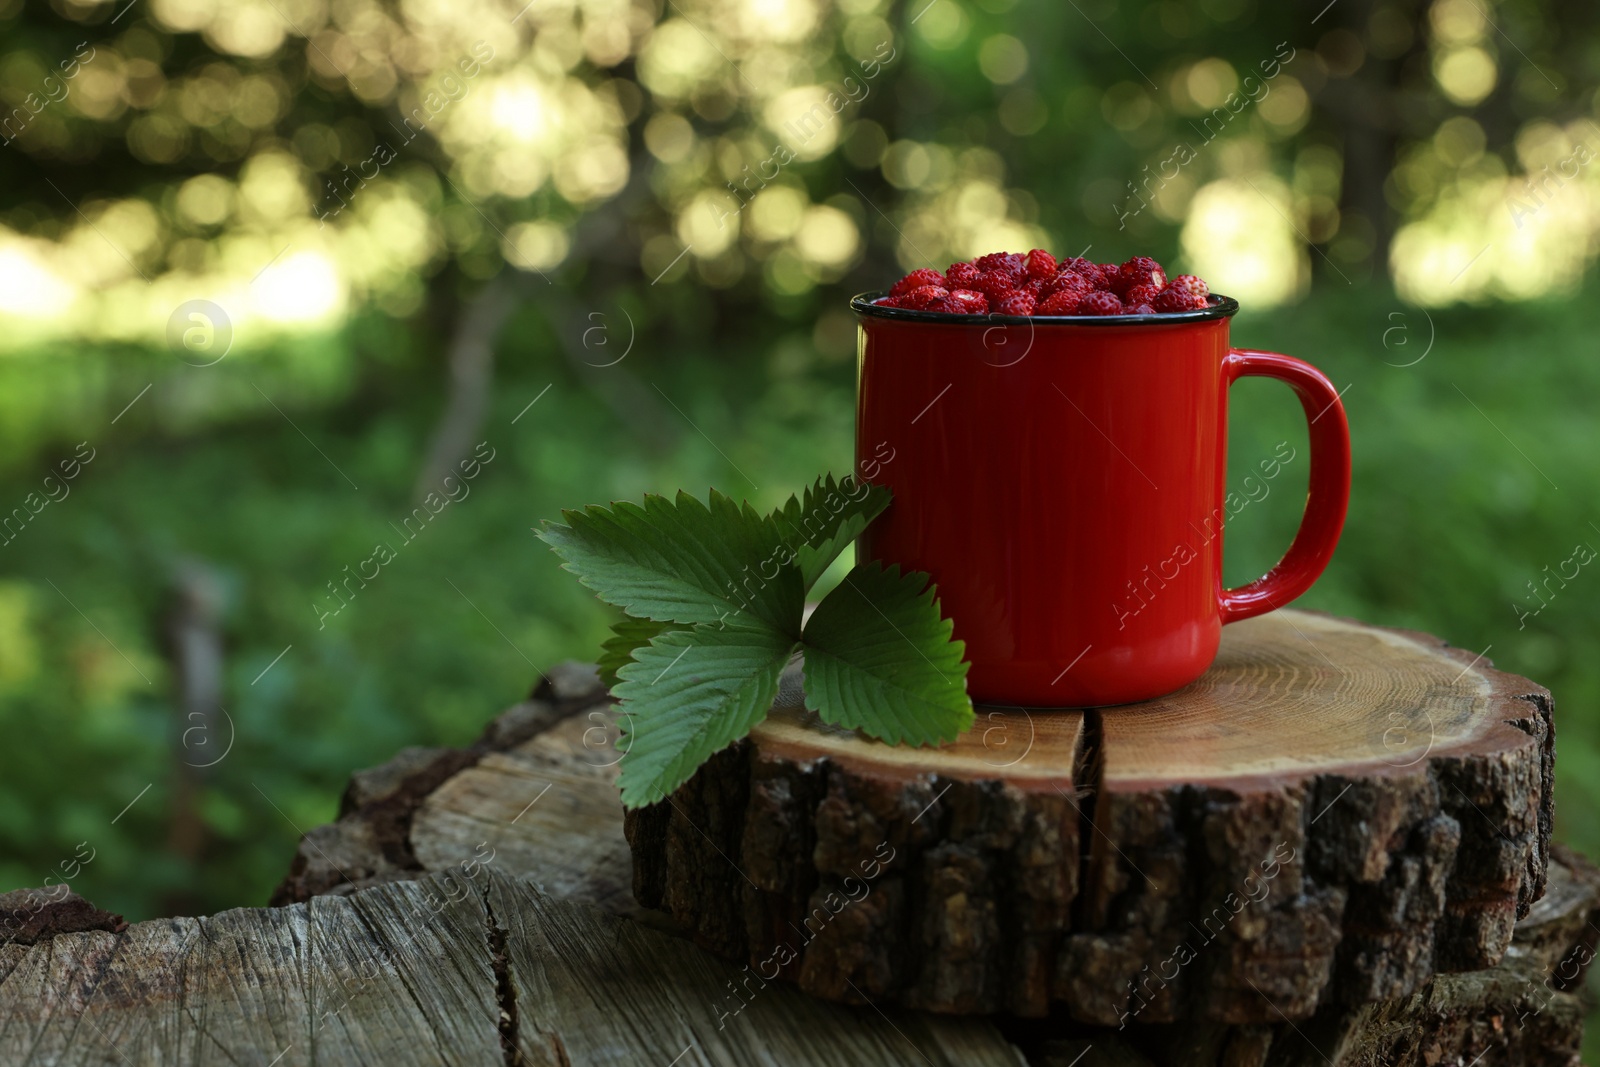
1086, 770
505, 987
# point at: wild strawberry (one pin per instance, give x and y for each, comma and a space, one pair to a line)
1100, 302
1192, 286
961, 276
1100, 275
916, 280
926, 298
1067, 280
1011, 264
1140, 270
1140, 294
968, 302
1019, 302
1012, 283
1064, 302
994, 284
1171, 299
1040, 264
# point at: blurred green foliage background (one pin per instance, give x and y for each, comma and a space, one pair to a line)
412, 220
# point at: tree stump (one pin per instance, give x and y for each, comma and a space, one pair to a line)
473, 903
1330, 816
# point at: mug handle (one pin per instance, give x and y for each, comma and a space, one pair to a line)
1328, 497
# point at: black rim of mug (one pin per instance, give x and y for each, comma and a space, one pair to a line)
1219, 307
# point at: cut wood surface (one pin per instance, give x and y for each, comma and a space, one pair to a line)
1331, 815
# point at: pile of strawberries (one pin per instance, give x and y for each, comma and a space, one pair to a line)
1010, 283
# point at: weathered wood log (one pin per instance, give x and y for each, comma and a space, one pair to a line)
1332, 815
449, 917
462, 967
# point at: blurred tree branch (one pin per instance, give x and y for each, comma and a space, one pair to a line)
469, 362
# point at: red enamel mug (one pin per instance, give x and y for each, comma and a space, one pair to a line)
1063, 481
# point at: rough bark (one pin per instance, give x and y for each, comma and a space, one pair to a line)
1528, 1011
28, 916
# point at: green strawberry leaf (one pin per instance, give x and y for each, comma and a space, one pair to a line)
627, 635
829, 518
879, 658
681, 561
713, 595
687, 695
